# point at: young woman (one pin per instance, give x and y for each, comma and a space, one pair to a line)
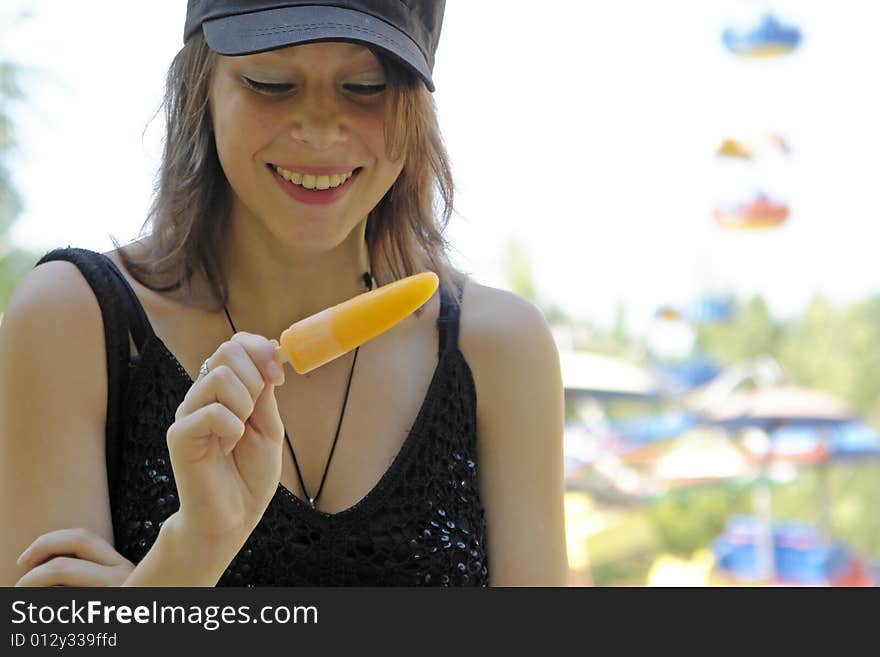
149, 436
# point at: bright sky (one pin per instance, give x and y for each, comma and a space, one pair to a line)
584, 130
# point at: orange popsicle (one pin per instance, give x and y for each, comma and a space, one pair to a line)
319, 338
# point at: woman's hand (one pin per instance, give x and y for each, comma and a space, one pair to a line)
73, 557
226, 441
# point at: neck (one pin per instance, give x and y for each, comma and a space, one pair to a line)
272, 286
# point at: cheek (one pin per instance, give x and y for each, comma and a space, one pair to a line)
371, 127
241, 128
241, 134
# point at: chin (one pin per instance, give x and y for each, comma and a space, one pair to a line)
312, 239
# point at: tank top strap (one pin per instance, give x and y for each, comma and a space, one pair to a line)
123, 315
447, 321
138, 322
115, 294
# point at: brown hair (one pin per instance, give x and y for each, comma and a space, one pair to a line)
189, 215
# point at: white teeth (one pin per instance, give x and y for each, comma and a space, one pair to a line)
314, 182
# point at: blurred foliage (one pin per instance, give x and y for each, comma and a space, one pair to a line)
520, 279
627, 533
619, 333
626, 572
10, 203
854, 491
753, 333
836, 349
518, 271
689, 519
14, 262
830, 348
622, 554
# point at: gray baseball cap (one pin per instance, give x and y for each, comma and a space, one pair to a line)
406, 30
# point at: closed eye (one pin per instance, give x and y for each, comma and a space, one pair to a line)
273, 88
366, 89
269, 87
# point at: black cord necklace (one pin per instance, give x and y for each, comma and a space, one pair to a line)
368, 283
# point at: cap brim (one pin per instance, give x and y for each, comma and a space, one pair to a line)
259, 31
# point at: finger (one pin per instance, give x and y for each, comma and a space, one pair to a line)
229, 356
81, 543
192, 435
236, 355
66, 571
263, 438
264, 355
221, 385
265, 418
249, 356
254, 360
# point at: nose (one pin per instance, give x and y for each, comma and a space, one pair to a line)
318, 121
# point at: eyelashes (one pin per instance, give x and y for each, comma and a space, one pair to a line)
278, 89
267, 87
366, 89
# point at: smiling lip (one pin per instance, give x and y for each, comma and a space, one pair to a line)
313, 196
316, 171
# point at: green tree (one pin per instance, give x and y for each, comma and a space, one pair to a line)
518, 271
10, 203
836, 350
689, 519
752, 333
830, 348
14, 262
520, 278
619, 333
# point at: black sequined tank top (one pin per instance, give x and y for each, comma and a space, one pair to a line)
422, 524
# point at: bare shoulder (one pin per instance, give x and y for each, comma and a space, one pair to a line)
54, 317
51, 299
513, 358
520, 409
52, 344
497, 325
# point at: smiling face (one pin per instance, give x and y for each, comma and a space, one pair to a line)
300, 134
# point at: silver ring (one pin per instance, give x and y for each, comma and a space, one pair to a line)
203, 370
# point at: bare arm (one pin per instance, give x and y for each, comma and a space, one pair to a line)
53, 399
53, 396
520, 415
179, 559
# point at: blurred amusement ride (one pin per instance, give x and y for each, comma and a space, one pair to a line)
744, 424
